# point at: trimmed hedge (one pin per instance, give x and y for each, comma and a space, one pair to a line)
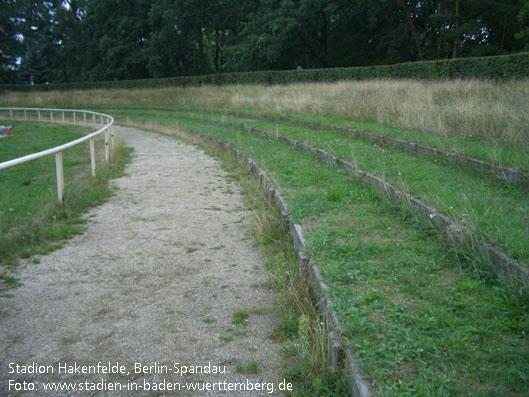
485, 68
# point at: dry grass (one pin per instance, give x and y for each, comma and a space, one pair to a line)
495, 111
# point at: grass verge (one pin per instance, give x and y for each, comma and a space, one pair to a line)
31, 220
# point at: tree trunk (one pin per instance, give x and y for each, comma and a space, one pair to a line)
443, 41
201, 32
456, 43
503, 34
419, 52
217, 50
308, 48
202, 62
324, 38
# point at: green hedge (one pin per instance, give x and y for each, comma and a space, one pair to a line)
496, 68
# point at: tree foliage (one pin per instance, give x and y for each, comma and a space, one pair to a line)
10, 46
34, 67
94, 40
523, 18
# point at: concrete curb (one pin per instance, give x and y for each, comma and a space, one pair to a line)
507, 174
457, 233
359, 385
503, 173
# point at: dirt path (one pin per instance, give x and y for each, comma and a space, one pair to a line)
158, 278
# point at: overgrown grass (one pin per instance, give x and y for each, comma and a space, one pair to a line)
496, 151
495, 112
31, 220
419, 321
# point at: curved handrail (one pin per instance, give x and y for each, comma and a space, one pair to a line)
60, 148
105, 119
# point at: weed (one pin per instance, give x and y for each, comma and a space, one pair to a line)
10, 280
251, 367
240, 317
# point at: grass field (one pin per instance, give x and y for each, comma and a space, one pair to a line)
31, 221
421, 318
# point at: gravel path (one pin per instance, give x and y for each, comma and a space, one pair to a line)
155, 281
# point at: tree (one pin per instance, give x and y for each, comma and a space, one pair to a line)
283, 34
117, 32
75, 49
271, 32
33, 69
523, 18
168, 47
88, 40
10, 45
35, 20
412, 25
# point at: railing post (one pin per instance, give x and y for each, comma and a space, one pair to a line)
60, 176
106, 147
93, 156
94, 119
112, 140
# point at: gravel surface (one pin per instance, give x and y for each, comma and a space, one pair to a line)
154, 281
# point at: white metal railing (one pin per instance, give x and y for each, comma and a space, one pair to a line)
102, 119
